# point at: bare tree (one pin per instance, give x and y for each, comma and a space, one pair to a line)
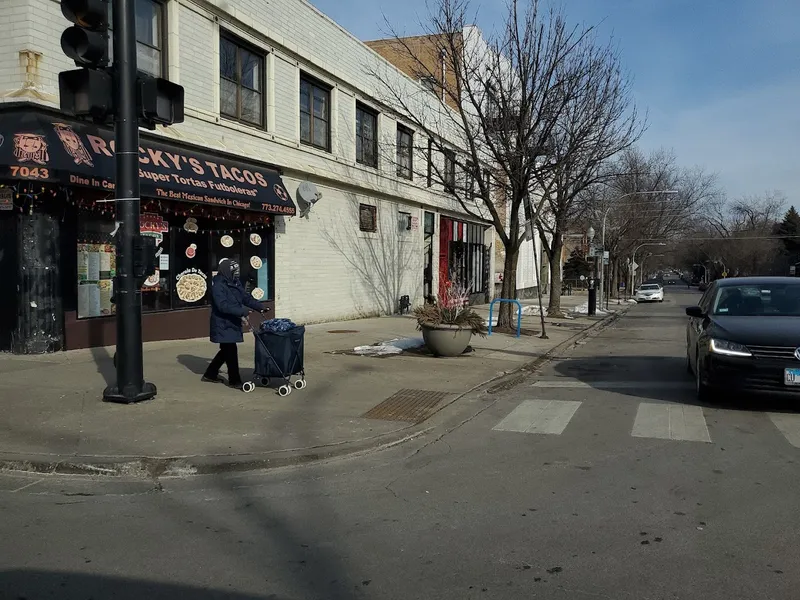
739, 236
493, 108
597, 122
633, 218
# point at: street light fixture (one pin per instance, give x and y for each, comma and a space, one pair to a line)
603, 230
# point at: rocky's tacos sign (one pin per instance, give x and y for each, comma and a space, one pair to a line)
78, 154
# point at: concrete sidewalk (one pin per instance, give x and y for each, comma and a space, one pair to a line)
53, 418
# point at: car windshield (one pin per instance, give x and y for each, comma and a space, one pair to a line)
653, 287
771, 299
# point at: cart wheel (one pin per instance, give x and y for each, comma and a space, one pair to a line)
248, 386
265, 381
300, 384
284, 390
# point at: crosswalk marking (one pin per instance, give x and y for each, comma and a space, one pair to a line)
789, 426
612, 385
539, 416
670, 422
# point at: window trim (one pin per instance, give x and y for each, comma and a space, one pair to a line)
321, 85
373, 209
360, 106
430, 163
449, 178
163, 37
403, 130
241, 44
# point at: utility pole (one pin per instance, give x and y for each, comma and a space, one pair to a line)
130, 386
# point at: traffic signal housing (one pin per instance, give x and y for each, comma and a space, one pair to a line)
160, 101
87, 93
86, 42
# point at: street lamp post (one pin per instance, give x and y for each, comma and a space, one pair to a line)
592, 300
603, 231
633, 260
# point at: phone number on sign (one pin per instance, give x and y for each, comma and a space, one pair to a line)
29, 172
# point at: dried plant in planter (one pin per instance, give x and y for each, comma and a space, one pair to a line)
451, 309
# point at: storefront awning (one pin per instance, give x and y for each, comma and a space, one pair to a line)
36, 146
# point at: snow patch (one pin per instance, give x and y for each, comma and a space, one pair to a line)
583, 309
387, 348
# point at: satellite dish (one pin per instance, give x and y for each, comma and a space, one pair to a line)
307, 196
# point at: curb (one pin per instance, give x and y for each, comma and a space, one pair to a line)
143, 467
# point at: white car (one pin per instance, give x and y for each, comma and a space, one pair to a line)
650, 292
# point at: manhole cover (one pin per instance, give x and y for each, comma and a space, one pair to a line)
343, 331
413, 406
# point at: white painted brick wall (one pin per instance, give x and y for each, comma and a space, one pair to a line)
286, 98
326, 268
199, 67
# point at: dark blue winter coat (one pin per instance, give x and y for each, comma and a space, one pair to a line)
229, 303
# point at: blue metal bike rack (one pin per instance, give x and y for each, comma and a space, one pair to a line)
519, 313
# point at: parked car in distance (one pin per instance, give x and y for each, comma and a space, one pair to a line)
744, 335
649, 292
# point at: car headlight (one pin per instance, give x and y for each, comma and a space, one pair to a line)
728, 348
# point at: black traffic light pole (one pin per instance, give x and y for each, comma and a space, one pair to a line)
130, 386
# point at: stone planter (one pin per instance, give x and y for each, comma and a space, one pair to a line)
446, 340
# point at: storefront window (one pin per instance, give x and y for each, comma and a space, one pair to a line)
189, 250
190, 269
97, 267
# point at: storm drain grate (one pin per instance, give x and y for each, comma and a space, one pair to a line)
413, 406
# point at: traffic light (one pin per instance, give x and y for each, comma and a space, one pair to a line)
160, 101
86, 42
86, 92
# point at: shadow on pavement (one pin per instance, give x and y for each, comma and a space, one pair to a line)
195, 364
677, 385
105, 365
31, 584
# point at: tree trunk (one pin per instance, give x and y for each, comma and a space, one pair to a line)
506, 313
554, 304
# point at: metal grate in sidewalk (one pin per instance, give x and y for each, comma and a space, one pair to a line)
413, 406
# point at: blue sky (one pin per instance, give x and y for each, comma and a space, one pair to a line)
720, 78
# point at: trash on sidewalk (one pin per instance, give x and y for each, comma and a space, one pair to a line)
388, 348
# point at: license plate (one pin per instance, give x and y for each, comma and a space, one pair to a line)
791, 376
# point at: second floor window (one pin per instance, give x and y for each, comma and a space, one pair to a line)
241, 82
315, 114
366, 136
449, 170
405, 153
149, 36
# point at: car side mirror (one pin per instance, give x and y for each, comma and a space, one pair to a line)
695, 311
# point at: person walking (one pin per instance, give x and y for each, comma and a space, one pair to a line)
230, 305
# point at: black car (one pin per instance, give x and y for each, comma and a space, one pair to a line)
745, 336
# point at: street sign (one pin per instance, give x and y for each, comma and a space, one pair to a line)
605, 256
724, 274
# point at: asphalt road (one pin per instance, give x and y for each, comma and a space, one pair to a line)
598, 477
